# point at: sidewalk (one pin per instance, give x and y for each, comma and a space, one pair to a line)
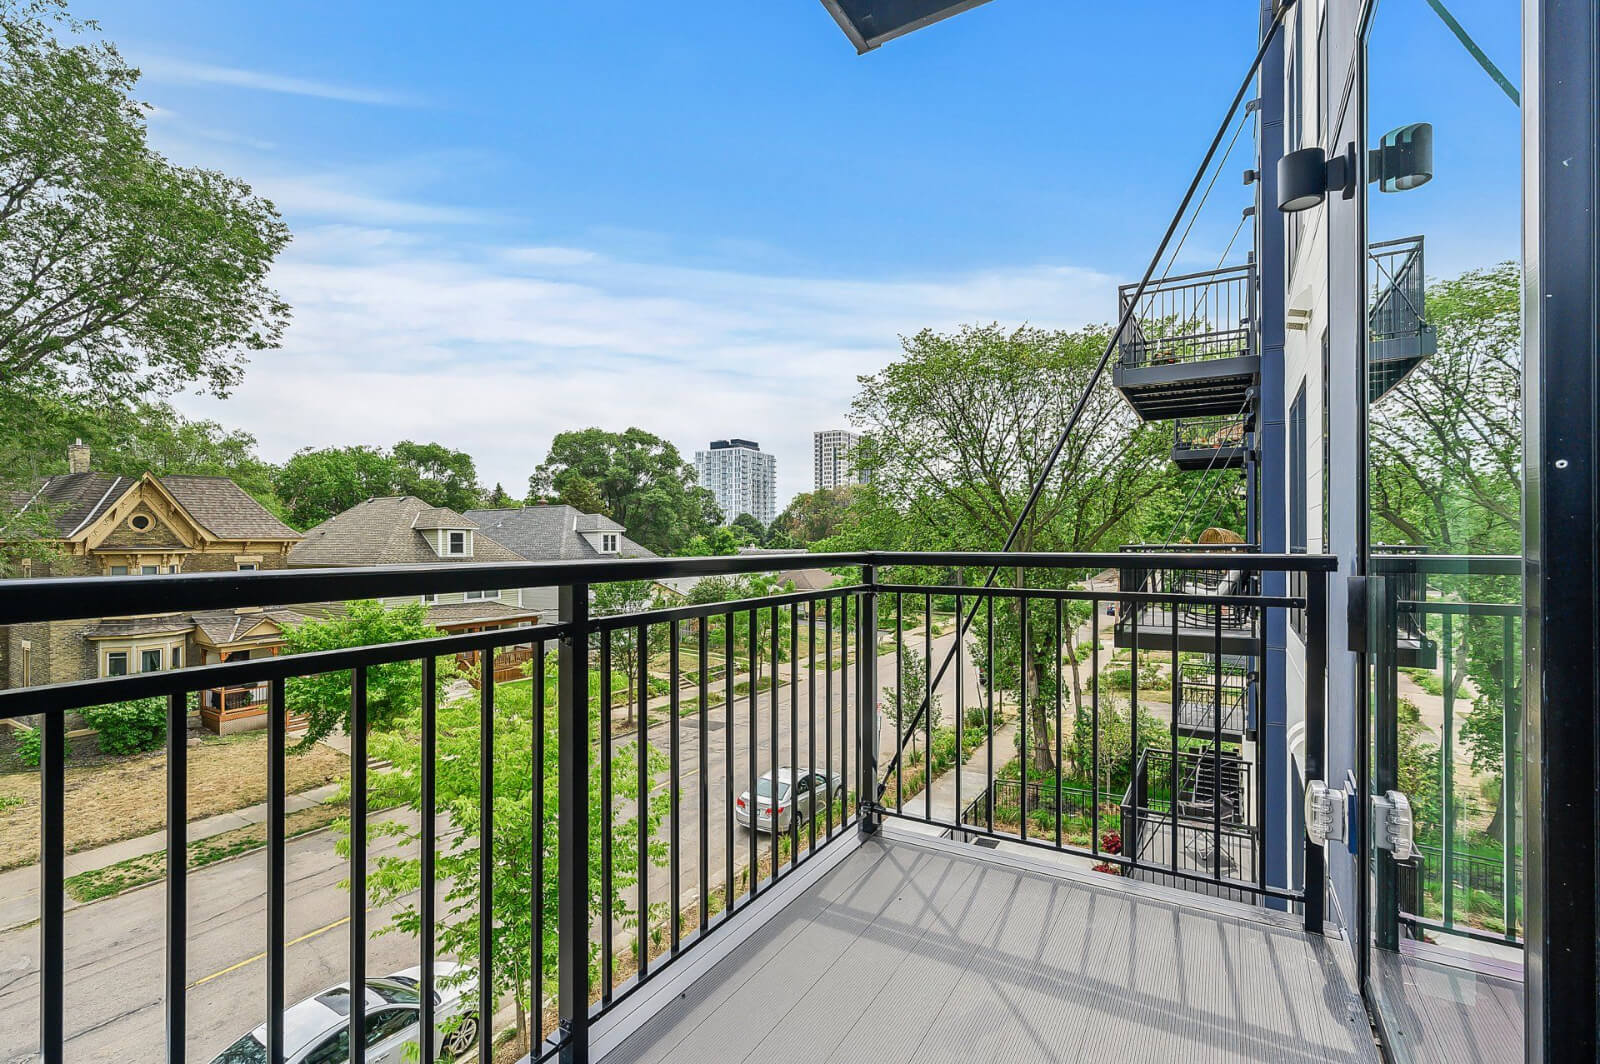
19, 887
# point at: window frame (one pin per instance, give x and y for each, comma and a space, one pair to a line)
450, 537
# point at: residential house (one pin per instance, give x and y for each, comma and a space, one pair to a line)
101, 524
555, 533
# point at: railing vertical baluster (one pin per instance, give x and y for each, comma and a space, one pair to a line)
728, 741
702, 784
1172, 765
1447, 774
1060, 638
1216, 748
607, 958
844, 709
486, 858
641, 769
988, 686
674, 781
1094, 726
867, 741
1509, 732
277, 940
358, 862
572, 790
772, 740
927, 701
811, 714
539, 842
427, 897
177, 875
899, 698
1130, 838
794, 736
960, 653
827, 709
1024, 668
52, 886
753, 638
1316, 734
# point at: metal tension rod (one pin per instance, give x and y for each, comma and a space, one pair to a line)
1099, 370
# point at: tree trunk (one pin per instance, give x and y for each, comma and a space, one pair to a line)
1043, 757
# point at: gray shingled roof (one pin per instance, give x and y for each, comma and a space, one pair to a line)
217, 504
382, 531
553, 533
225, 509
455, 614
228, 626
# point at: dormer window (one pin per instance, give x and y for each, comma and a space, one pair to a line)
455, 543
608, 543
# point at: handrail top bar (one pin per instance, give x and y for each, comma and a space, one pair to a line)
1225, 273
88, 597
1396, 242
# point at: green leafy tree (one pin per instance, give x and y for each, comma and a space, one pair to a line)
131, 727
498, 499
913, 684
627, 596
395, 879
957, 431
123, 274
717, 541
436, 474
751, 532
813, 516
392, 690
316, 484
635, 478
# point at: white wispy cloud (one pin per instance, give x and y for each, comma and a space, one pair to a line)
185, 72
494, 350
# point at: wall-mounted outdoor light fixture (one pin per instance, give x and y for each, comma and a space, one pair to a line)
1305, 178
1403, 159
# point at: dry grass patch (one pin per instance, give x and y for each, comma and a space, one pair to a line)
109, 801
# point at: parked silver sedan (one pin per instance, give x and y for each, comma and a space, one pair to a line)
316, 1030
809, 793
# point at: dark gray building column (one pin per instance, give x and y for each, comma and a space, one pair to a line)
1561, 511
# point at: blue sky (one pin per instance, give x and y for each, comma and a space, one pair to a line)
702, 219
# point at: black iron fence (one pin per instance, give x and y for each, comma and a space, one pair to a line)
638, 824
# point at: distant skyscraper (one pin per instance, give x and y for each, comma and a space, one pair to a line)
743, 478
830, 455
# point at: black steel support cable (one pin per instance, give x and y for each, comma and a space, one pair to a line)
1088, 391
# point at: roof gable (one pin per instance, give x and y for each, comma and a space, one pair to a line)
384, 531
554, 532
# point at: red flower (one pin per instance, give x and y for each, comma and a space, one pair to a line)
1108, 869
1111, 842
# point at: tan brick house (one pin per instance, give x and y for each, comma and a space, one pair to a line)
108, 525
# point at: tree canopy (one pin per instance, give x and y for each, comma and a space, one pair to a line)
317, 483
123, 273
635, 478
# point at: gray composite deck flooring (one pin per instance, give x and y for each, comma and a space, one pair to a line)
1441, 1014
909, 952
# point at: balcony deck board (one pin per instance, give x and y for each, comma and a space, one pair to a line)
930, 952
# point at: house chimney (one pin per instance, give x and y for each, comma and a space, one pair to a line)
78, 457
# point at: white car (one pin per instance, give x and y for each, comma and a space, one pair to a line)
812, 792
317, 1031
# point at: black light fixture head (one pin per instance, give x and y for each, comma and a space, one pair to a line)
1305, 178
1403, 159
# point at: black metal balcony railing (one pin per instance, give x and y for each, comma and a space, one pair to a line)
1465, 613
1189, 348
1399, 336
1187, 603
603, 924
1210, 443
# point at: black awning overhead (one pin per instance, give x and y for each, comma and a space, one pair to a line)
868, 23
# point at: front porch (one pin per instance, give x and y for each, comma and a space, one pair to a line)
908, 948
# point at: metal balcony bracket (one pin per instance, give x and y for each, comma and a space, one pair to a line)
1393, 826
1325, 813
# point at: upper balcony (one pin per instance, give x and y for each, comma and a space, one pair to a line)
1189, 348
1399, 336
757, 853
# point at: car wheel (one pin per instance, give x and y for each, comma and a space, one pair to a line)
464, 1037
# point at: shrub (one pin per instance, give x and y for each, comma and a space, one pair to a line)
1111, 842
1108, 869
28, 747
974, 717
129, 727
